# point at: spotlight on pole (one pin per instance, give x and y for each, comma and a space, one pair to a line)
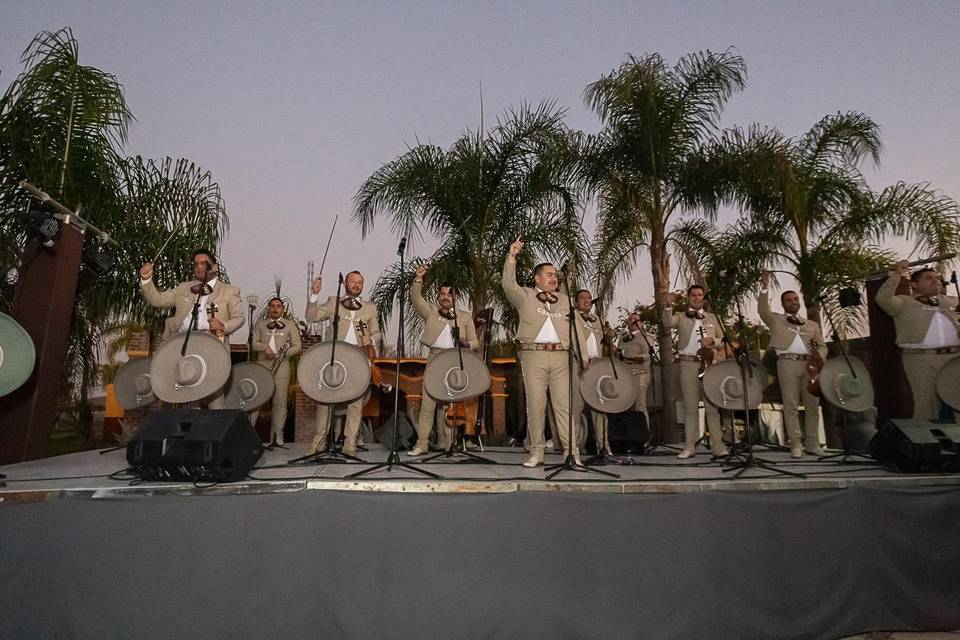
99, 257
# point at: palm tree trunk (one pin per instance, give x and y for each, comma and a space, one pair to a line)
660, 268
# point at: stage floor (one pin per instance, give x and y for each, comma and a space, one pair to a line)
670, 549
88, 474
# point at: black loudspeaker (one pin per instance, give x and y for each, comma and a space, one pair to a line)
628, 431
912, 446
192, 445
405, 433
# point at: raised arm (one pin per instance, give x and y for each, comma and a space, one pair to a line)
511, 289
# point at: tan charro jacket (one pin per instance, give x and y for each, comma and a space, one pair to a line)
911, 317
584, 330
365, 320
783, 332
532, 312
225, 297
684, 326
433, 322
288, 335
634, 346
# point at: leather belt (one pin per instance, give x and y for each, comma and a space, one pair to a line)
936, 351
542, 346
793, 356
635, 360
685, 358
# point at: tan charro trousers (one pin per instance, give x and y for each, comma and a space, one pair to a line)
792, 377
351, 427
428, 417
278, 404
921, 370
692, 392
543, 371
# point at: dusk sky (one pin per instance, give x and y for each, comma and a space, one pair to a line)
292, 105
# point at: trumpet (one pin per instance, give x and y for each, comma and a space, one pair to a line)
277, 361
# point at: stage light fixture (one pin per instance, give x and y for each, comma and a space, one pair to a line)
42, 225
849, 297
99, 257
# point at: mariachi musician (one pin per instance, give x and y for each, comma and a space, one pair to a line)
796, 341
928, 332
278, 339
700, 338
360, 326
220, 312
439, 324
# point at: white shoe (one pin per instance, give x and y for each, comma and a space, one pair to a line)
416, 452
532, 462
688, 452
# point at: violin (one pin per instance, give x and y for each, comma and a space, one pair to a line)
212, 309
376, 376
814, 365
705, 354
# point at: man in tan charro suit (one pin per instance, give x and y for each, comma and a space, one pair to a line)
695, 328
635, 351
359, 325
438, 329
221, 310
542, 334
928, 332
590, 333
790, 338
276, 337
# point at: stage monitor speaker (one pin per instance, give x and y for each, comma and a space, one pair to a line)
917, 446
628, 431
405, 433
195, 445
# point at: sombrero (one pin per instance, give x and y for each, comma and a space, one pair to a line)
132, 384
199, 373
603, 390
343, 380
17, 355
250, 386
445, 381
723, 385
948, 383
842, 389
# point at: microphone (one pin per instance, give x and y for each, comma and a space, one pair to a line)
403, 246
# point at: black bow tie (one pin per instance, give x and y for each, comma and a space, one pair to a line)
797, 320
351, 304
546, 297
202, 289
276, 324
932, 301
697, 314
588, 317
449, 314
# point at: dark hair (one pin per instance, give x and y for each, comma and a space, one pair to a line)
453, 289
349, 273
695, 286
204, 252
577, 294
537, 269
915, 276
277, 298
785, 293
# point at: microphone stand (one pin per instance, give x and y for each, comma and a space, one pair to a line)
653, 443
956, 287
604, 455
847, 453
393, 458
569, 464
485, 351
743, 459
457, 446
332, 454
195, 313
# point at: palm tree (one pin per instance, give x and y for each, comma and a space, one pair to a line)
810, 212
643, 166
62, 126
477, 197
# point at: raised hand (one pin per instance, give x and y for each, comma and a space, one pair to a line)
515, 247
146, 271
765, 279
421, 270
903, 269
316, 284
